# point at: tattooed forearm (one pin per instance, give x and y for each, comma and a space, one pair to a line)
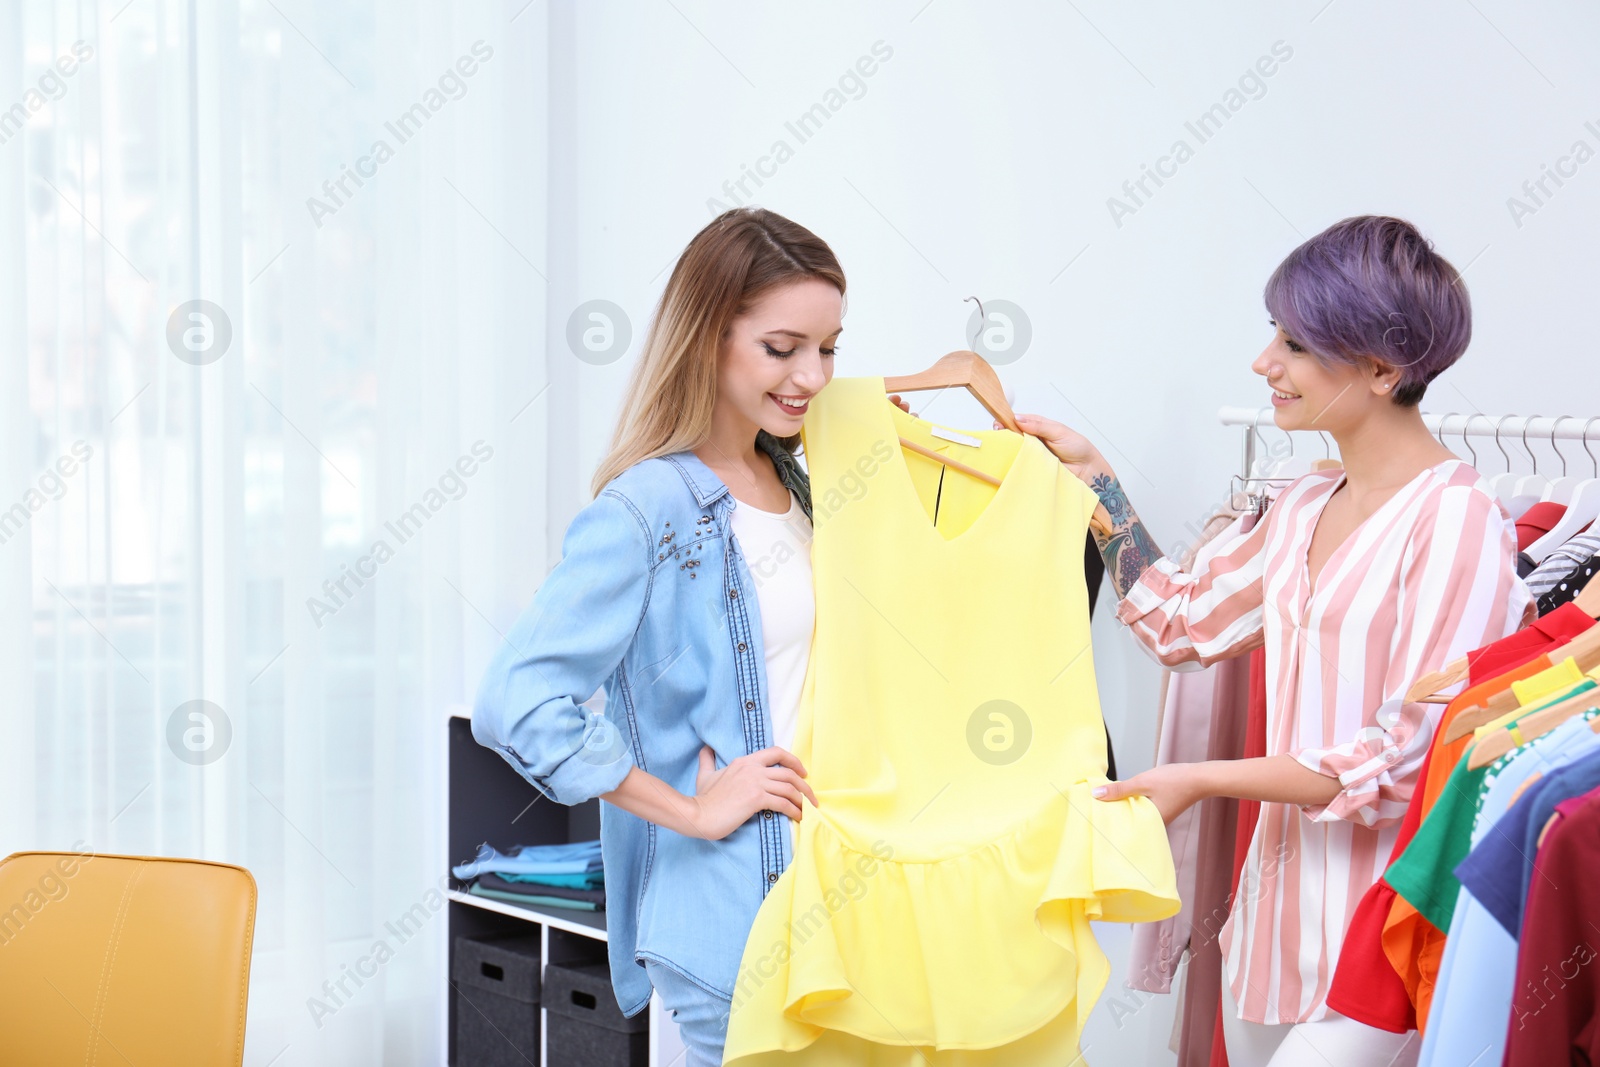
1128, 549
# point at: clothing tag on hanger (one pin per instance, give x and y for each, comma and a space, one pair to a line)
958, 438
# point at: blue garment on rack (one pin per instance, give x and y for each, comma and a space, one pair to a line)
577, 857
1500, 868
1471, 1011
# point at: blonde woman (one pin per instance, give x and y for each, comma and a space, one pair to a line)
684, 590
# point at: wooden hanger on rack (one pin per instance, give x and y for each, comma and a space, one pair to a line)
1583, 649
973, 373
1429, 689
1507, 739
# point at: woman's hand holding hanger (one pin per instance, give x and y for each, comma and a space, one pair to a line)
1081, 457
1069, 446
1127, 547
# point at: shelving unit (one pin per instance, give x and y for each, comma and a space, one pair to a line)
488, 801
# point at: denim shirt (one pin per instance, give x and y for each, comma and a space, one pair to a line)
653, 601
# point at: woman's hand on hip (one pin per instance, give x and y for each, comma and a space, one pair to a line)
770, 780
1172, 788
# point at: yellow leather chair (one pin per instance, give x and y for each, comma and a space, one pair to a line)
112, 960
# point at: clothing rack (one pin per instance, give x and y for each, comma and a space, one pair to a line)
1520, 431
1517, 431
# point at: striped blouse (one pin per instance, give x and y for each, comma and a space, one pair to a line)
1428, 577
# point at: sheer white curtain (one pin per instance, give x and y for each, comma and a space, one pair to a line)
301, 502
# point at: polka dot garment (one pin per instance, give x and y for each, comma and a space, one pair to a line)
1568, 588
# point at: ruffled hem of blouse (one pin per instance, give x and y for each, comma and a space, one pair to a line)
983, 958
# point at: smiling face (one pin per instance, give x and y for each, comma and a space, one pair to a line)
1308, 394
779, 354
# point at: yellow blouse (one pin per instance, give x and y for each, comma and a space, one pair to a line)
937, 910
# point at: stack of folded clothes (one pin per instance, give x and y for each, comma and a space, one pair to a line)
552, 876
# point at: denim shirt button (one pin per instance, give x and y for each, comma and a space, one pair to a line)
741, 646
772, 877
733, 594
749, 705
766, 815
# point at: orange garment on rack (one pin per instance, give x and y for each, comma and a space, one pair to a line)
1414, 946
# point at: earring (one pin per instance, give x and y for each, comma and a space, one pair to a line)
1386, 386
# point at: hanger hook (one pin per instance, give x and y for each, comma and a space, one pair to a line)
983, 317
1592, 461
1503, 453
1467, 441
1554, 447
1533, 460
1327, 449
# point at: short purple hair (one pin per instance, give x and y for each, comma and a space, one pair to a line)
1372, 287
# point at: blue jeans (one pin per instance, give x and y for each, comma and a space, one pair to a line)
702, 1017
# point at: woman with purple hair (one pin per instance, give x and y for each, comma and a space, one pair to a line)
1356, 582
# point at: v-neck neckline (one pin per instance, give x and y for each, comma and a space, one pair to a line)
893, 416
1314, 587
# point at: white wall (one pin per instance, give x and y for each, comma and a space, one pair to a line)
979, 159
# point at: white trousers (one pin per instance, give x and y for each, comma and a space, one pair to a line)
1336, 1041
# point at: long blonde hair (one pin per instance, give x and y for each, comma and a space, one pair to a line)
731, 263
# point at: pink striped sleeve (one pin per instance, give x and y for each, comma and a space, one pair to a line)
1190, 621
1458, 591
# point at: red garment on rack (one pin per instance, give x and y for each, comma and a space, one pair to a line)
1553, 1009
1527, 644
1537, 521
1365, 986
1255, 747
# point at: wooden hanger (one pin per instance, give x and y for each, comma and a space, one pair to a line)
953, 464
973, 373
1585, 649
968, 370
1429, 689
1509, 738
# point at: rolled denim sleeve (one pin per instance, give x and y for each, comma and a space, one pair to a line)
564, 647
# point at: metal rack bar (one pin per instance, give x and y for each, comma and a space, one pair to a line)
1455, 424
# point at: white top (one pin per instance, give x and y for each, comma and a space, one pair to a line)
777, 551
